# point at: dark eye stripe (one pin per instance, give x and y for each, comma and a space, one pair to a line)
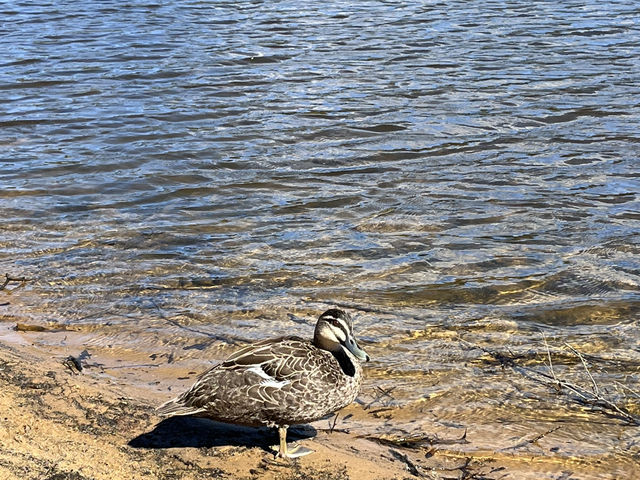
334, 318
340, 325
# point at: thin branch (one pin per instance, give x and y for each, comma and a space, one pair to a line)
544, 338
594, 385
630, 390
8, 279
333, 424
532, 440
212, 337
593, 399
418, 441
383, 394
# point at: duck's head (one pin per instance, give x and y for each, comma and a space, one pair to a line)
335, 330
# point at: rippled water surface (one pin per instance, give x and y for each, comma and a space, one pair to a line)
178, 175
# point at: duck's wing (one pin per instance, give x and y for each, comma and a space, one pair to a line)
279, 358
264, 367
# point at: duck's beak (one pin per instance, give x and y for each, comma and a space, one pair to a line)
351, 345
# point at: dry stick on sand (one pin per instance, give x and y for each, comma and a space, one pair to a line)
594, 398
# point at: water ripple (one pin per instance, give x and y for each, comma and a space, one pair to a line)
471, 163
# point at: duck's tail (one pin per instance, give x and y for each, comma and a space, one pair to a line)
175, 407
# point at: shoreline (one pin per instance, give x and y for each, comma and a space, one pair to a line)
63, 424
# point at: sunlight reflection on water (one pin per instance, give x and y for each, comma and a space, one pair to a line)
238, 166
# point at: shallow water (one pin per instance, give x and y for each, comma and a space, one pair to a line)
191, 175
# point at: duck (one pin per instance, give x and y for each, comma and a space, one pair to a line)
280, 382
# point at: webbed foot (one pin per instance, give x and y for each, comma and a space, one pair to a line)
291, 451
285, 451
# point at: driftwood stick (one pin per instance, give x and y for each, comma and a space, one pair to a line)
417, 441
8, 279
532, 440
594, 399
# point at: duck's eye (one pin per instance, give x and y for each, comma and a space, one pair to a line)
334, 322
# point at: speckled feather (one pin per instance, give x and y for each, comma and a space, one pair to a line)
275, 382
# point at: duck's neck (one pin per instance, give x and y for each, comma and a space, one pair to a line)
345, 361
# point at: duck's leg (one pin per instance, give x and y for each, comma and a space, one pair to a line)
285, 451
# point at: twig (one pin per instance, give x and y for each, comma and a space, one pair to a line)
529, 441
594, 385
419, 441
8, 279
544, 338
630, 390
557, 385
383, 394
173, 322
593, 399
333, 425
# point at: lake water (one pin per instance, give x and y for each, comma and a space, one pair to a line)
181, 177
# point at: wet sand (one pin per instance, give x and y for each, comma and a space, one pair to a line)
59, 423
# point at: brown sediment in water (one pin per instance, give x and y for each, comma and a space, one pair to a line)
60, 422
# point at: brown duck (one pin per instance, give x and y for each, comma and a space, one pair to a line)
280, 382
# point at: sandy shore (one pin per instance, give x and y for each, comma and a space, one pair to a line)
62, 425
58, 423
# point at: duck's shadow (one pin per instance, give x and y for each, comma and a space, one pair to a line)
185, 431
